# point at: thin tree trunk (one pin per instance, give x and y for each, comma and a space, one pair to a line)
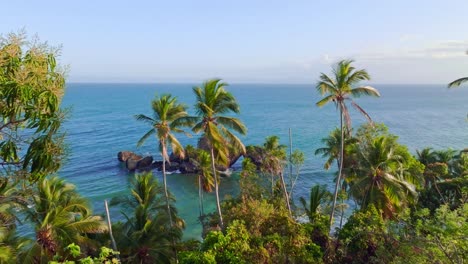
114, 245
438, 190
272, 185
339, 171
290, 159
286, 196
218, 205
165, 182
200, 203
164, 151
342, 213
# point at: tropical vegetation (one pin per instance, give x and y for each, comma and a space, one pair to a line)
406, 207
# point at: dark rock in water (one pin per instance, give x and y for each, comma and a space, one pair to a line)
145, 162
157, 164
133, 161
256, 154
174, 158
233, 158
123, 156
187, 168
131, 164
173, 166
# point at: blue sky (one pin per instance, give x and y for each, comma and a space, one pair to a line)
249, 41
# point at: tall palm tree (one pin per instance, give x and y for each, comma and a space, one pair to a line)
379, 179
340, 89
273, 163
168, 116
213, 101
61, 217
147, 236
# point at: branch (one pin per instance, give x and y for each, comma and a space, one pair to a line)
11, 123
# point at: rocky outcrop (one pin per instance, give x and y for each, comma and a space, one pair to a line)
256, 154
170, 167
133, 161
145, 162
131, 164
188, 168
185, 165
123, 156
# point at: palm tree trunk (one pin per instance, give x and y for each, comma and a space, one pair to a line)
289, 162
165, 182
272, 185
286, 196
200, 203
339, 170
218, 205
109, 224
164, 153
342, 213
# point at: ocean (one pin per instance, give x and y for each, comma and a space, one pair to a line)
101, 124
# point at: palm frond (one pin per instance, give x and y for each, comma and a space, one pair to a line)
458, 82
142, 140
232, 123
362, 111
325, 100
365, 90
145, 119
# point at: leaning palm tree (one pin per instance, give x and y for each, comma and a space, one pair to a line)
168, 116
61, 217
340, 89
213, 101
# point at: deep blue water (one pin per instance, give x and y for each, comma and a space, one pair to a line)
101, 124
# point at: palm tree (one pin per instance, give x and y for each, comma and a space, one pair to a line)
168, 116
379, 179
11, 199
340, 89
205, 176
273, 164
319, 196
61, 217
213, 101
331, 150
147, 236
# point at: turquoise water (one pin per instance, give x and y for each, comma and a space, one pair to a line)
101, 124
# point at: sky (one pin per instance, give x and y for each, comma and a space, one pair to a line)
248, 41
